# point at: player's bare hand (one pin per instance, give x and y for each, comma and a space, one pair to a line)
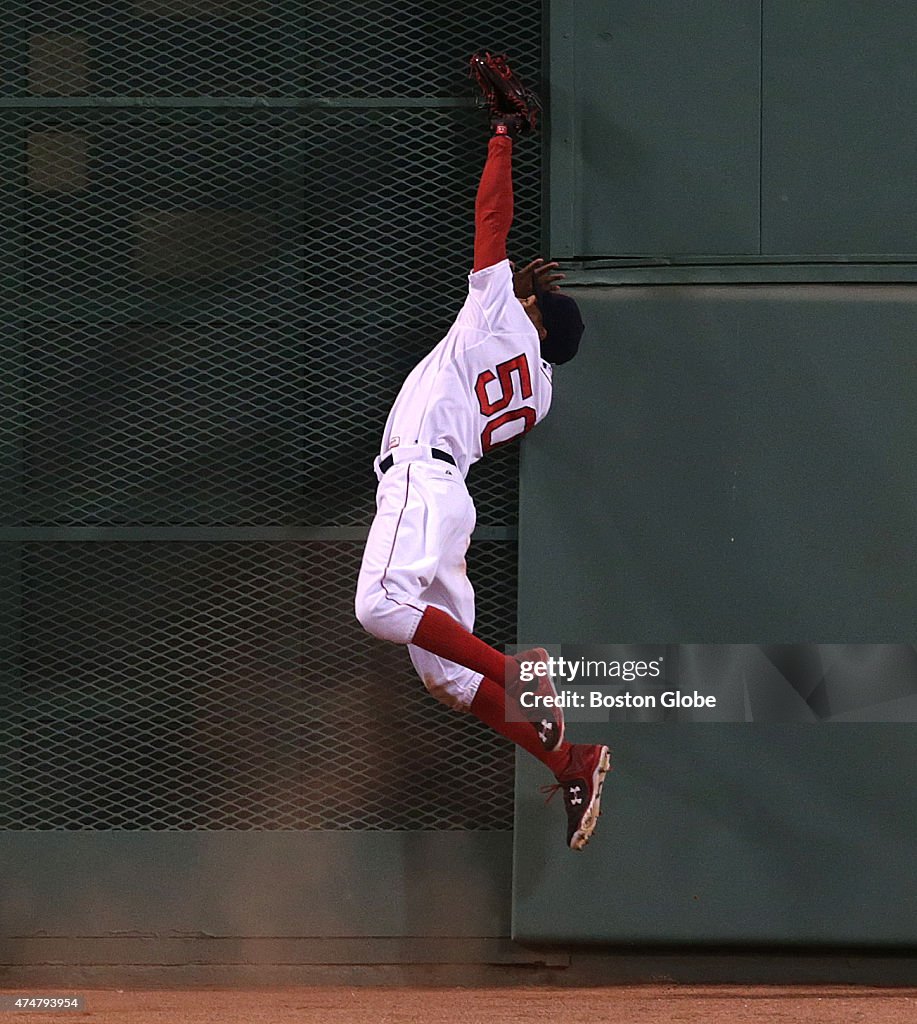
544, 273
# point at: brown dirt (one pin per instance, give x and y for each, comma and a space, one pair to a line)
651, 1004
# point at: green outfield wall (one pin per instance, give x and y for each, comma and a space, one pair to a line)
731, 459
229, 231
728, 464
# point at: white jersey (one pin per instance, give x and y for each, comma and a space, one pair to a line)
484, 384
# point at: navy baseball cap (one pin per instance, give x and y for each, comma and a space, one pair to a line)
564, 324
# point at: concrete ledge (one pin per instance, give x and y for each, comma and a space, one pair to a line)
517, 967
189, 951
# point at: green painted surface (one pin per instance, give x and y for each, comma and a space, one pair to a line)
656, 127
731, 464
725, 128
838, 156
729, 834
734, 464
271, 884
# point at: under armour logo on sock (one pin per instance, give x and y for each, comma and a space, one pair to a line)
545, 731
575, 798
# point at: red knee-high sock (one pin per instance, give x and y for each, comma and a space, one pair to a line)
489, 705
493, 209
440, 634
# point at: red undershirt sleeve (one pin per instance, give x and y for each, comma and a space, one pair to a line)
493, 210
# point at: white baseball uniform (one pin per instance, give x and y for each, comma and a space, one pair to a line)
483, 385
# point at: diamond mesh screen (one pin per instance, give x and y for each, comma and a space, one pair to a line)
212, 326
278, 48
208, 304
220, 685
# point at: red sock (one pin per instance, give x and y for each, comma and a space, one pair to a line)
440, 634
489, 705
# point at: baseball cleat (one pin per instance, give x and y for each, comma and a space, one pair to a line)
548, 722
582, 783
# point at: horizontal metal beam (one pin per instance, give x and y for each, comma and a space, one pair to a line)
809, 259
785, 270
231, 102
217, 534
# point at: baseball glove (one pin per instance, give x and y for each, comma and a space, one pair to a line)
504, 94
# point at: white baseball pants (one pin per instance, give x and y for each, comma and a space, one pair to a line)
415, 557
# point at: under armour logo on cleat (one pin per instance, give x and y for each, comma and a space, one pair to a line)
575, 798
545, 731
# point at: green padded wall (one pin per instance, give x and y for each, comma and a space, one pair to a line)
656, 126
734, 129
722, 834
728, 464
839, 95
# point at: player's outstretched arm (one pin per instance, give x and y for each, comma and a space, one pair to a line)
493, 208
513, 112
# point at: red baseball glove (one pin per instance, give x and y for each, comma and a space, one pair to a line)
507, 98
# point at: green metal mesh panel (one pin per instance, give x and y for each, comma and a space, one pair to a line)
212, 326
209, 297
221, 685
276, 48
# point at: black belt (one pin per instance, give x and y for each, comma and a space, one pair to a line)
386, 464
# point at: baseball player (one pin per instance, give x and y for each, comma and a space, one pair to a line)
488, 382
